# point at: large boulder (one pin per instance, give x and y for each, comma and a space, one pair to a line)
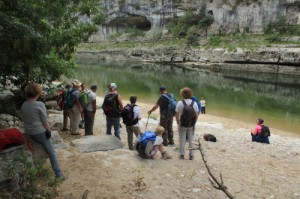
97, 143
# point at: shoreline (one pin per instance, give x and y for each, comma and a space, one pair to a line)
227, 123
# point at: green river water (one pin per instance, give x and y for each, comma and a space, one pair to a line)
237, 95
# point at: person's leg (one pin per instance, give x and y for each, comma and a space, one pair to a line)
190, 133
65, 118
109, 124
129, 137
182, 140
136, 130
48, 147
74, 119
170, 131
204, 110
116, 121
88, 122
163, 123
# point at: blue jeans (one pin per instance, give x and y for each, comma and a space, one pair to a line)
258, 138
113, 121
48, 147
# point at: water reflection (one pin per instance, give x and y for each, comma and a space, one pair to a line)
234, 94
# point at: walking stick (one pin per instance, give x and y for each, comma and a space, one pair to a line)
147, 121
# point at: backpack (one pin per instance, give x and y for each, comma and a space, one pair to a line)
110, 105
198, 103
84, 98
188, 116
69, 100
145, 144
60, 99
171, 105
11, 137
265, 132
128, 115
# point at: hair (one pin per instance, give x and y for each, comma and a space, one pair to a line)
186, 93
33, 90
132, 99
159, 130
260, 120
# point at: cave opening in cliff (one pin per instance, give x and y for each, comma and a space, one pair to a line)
139, 22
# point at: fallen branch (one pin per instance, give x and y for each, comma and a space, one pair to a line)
214, 181
85, 194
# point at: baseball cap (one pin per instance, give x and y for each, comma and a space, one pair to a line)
162, 88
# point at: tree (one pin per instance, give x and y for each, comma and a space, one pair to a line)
38, 38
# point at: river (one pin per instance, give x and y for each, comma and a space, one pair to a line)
239, 95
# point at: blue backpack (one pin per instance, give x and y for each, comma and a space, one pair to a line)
145, 144
69, 100
171, 105
198, 103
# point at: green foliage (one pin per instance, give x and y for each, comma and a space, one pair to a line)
214, 41
206, 21
38, 38
282, 27
192, 36
180, 27
135, 32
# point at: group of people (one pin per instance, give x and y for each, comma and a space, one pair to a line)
186, 113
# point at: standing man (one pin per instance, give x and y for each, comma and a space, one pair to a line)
132, 121
90, 110
112, 107
202, 101
166, 120
66, 110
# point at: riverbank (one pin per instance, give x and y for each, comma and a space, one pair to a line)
277, 59
249, 170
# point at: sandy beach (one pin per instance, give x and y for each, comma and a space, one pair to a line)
249, 170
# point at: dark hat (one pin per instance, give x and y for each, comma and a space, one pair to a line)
162, 88
94, 86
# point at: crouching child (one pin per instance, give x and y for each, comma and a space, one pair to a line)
149, 143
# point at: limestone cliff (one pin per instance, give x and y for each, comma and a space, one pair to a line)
229, 15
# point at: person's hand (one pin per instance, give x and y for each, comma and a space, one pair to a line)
149, 112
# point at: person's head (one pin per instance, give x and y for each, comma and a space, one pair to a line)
202, 98
83, 86
94, 87
33, 90
260, 121
159, 130
77, 84
68, 86
132, 99
162, 89
186, 93
113, 87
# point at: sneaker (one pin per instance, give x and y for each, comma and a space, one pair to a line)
165, 155
181, 157
60, 178
191, 157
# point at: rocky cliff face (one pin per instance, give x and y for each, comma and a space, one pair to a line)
229, 15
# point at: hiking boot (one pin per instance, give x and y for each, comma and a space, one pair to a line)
165, 144
60, 178
171, 143
191, 157
181, 157
165, 155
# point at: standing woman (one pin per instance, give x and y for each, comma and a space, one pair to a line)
186, 117
36, 123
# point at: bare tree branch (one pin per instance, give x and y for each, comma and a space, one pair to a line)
214, 181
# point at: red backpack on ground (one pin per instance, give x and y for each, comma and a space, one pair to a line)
11, 137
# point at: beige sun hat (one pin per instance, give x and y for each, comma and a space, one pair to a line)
159, 130
76, 82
